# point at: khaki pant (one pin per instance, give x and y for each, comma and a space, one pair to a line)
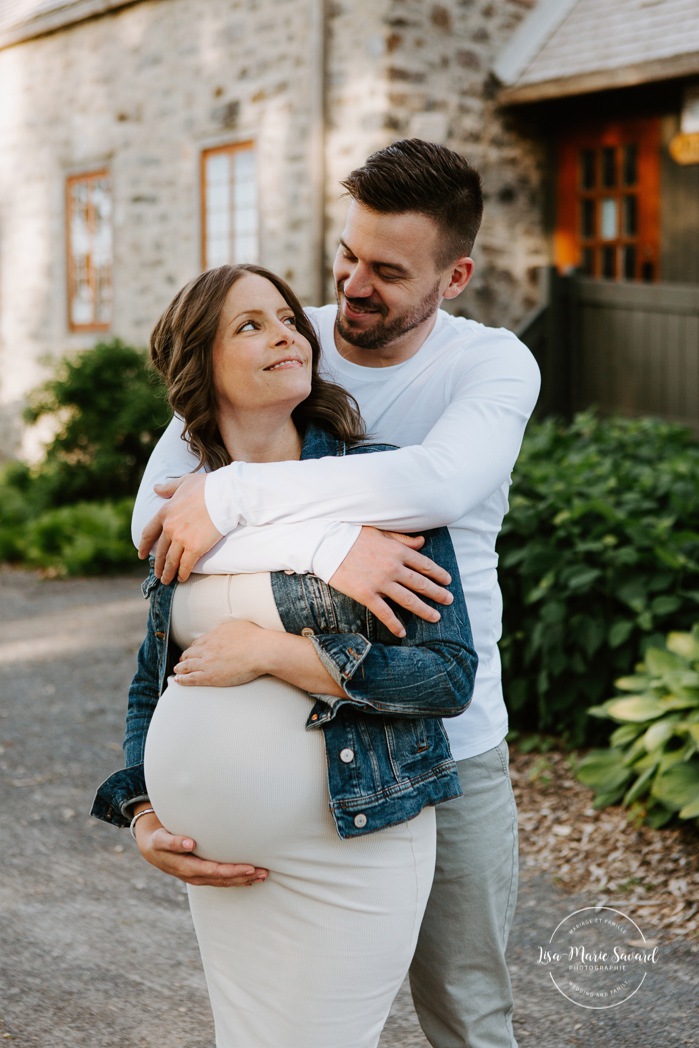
459, 979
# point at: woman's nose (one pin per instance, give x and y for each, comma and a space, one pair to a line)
282, 334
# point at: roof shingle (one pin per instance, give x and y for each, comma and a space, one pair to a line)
24, 19
600, 44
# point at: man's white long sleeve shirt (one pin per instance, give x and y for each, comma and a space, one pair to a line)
457, 409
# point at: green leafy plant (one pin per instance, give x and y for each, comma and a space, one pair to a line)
87, 538
599, 559
107, 409
70, 513
652, 764
15, 508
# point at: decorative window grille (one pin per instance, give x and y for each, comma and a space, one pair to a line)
90, 251
608, 200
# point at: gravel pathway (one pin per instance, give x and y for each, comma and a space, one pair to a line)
89, 930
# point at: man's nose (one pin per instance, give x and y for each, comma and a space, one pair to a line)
358, 284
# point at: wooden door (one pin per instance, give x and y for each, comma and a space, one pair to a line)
608, 200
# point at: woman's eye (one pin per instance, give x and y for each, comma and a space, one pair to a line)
291, 321
247, 326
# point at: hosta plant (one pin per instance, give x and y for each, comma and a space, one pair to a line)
652, 764
599, 560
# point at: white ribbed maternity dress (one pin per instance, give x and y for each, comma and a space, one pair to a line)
313, 956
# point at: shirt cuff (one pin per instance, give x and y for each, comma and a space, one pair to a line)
333, 548
118, 793
220, 501
342, 654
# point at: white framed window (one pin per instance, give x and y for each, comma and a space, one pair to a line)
229, 205
89, 251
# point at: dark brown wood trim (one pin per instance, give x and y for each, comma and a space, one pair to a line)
601, 80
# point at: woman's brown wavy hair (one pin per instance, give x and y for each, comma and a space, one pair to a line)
181, 348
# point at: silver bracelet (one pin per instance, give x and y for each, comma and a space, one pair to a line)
137, 816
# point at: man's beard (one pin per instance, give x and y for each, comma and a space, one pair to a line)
383, 332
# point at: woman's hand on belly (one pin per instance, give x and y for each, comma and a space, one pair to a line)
238, 652
229, 655
173, 855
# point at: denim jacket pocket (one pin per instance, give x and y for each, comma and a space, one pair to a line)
407, 743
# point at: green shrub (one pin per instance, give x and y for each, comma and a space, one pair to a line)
599, 559
109, 409
652, 764
70, 514
15, 509
87, 538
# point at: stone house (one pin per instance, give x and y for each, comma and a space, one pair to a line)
142, 141
613, 91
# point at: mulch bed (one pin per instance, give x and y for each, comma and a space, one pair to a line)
651, 875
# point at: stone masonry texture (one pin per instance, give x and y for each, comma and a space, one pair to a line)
142, 90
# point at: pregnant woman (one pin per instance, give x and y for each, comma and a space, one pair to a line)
308, 755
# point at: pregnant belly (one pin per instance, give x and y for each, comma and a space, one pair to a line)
235, 769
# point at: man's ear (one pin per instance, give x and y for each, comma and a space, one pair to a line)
460, 274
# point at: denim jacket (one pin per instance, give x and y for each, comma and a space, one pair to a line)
387, 751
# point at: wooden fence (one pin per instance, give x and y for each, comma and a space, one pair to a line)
619, 347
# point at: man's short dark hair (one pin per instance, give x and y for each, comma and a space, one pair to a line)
412, 175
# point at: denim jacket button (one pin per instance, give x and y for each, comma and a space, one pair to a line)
346, 756
307, 632
360, 821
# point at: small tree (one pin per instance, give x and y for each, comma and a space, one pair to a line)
70, 514
109, 408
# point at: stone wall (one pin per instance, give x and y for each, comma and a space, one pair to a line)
143, 89
433, 81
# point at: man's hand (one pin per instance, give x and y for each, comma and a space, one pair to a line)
184, 526
173, 855
383, 565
